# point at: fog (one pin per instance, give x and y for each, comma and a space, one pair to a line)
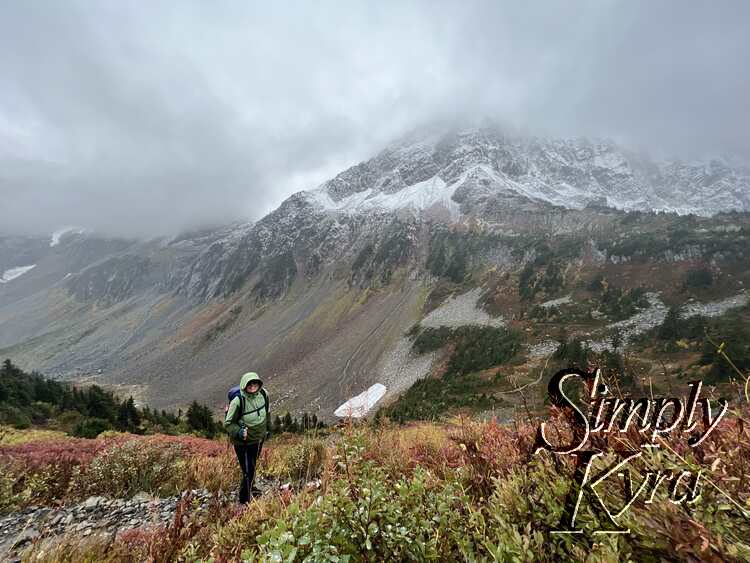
143, 119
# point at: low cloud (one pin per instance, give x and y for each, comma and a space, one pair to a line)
147, 119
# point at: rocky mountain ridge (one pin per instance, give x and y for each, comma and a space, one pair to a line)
569, 173
328, 283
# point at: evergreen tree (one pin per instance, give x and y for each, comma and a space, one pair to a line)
133, 414
199, 418
100, 404
526, 287
122, 417
669, 329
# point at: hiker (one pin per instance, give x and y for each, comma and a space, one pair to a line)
248, 424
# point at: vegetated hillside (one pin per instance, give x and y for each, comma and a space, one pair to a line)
30, 399
458, 228
467, 490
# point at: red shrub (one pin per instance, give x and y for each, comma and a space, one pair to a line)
490, 450
36, 455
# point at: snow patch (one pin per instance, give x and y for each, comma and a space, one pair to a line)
419, 196
556, 302
13, 273
57, 235
543, 349
358, 406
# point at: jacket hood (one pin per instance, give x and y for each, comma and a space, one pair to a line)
249, 377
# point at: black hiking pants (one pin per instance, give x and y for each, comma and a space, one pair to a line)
247, 455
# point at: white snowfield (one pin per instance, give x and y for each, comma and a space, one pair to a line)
358, 407
57, 235
419, 197
14, 273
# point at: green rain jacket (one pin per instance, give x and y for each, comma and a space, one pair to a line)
254, 418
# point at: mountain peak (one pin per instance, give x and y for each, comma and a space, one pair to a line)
429, 166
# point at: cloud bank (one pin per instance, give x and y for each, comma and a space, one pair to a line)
143, 119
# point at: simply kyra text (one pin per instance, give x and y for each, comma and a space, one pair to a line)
654, 418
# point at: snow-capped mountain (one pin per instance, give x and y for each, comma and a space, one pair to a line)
450, 170
318, 294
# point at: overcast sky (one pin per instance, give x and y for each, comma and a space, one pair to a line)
145, 118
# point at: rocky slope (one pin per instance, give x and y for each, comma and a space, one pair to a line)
317, 296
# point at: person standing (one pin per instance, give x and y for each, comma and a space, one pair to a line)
248, 425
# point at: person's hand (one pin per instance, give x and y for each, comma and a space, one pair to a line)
242, 433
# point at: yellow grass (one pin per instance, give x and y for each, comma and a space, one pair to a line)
9, 436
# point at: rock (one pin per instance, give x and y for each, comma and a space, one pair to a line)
56, 519
25, 536
141, 498
92, 502
69, 520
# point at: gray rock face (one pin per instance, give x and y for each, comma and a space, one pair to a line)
114, 280
479, 174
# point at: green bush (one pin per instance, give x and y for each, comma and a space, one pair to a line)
733, 331
433, 399
430, 339
369, 517
15, 417
302, 461
479, 348
699, 278
91, 427
573, 351
476, 347
619, 304
516, 522
674, 327
130, 467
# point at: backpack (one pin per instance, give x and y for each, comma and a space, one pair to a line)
235, 392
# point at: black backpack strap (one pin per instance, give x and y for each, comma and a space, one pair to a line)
265, 404
242, 405
265, 398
